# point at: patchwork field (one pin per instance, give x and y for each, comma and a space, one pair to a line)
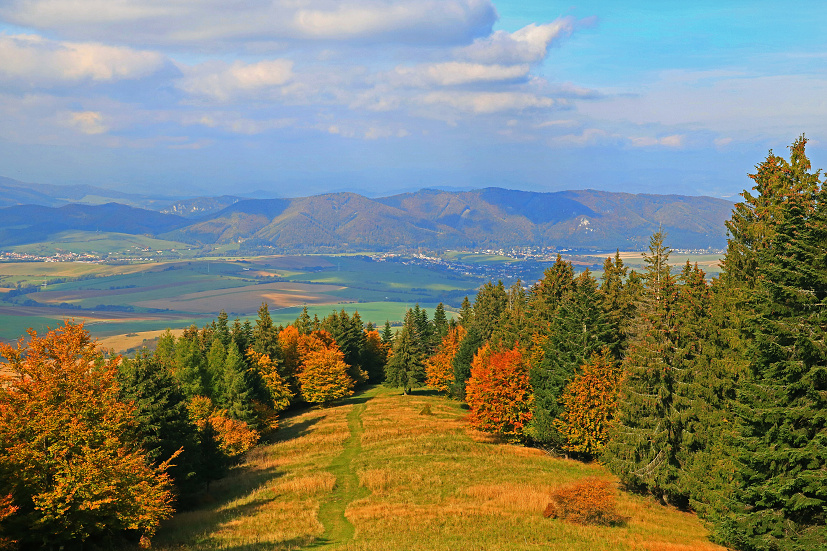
381, 473
150, 296
147, 297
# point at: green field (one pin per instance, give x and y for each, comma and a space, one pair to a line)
102, 243
376, 474
196, 290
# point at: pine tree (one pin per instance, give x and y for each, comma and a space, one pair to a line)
189, 366
548, 293
303, 323
782, 499
164, 427
645, 448
577, 330
387, 334
237, 396
265, 334
466, 313
462, 360
405, 368
440, 323
514, 322
489, 305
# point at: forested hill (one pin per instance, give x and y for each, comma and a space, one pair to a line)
486, 218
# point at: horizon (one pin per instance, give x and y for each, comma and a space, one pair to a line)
385, 97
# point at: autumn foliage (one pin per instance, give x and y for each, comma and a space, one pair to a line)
588, 501
234, 437
324, 377
439, 368
71, 462
590, 403
499, 393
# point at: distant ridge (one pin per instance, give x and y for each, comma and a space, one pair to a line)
429, 218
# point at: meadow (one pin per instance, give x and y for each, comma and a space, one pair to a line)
388, 472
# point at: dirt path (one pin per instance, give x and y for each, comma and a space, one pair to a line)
337, 528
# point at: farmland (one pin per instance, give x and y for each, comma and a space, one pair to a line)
143, 296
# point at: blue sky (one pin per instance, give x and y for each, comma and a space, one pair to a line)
297, 97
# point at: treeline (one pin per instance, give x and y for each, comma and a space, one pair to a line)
95, 447
710, 396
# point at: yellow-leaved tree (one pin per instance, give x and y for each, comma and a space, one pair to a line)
70, 458
324, 377
439, 368
590, 404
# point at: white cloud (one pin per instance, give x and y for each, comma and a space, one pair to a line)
222, 82
675, 140
589, 136
455, 73
488, 102
213, 24
527, 45
738, 107
38, 61
88, 122
236, 123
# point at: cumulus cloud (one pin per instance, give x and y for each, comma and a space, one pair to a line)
222, 82
212, 24
527, 45
39, 61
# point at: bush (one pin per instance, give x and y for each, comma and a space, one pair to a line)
587, 501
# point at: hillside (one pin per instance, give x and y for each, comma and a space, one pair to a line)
376, 474
333, 222
488, 218
34, 223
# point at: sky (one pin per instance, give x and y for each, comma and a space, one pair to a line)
301, 97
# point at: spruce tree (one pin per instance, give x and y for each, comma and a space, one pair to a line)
406, 369
645, 447
440, 323
164, 426
578, 330
781, 502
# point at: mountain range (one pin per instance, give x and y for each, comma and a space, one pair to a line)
432, 219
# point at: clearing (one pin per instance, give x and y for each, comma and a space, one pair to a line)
378, 473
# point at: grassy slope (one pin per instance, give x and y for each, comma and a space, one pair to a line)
374, 474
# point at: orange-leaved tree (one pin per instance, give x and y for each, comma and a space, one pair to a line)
71, 457
439, 368
234, 437
590, 404
499, 392
324, 377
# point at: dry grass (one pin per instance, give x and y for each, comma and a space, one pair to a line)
431, 485
121, 343
319, 483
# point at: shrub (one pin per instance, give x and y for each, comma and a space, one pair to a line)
587, 501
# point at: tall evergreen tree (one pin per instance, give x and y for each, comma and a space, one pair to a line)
781, 502
164, 426
265, 334
645, 449
578, 330
387, 334
406, 369
440, 323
